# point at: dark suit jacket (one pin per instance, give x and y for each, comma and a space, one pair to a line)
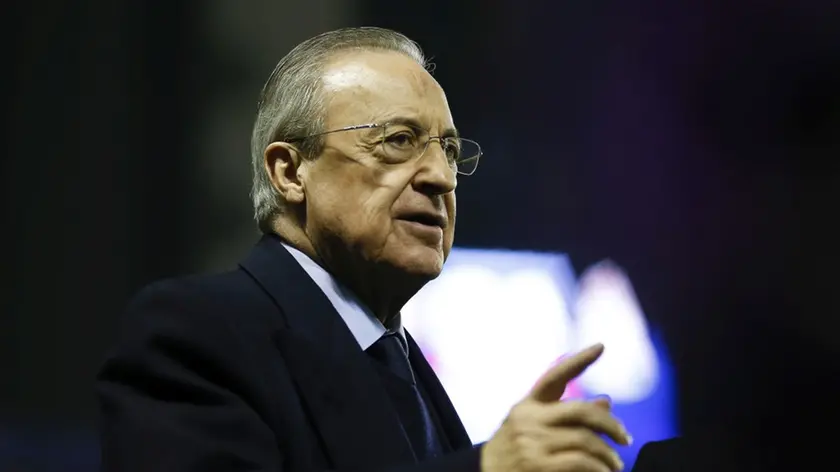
690, 455
254, 370
728, 451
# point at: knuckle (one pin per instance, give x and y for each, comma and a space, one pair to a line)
522, 442
523, 439
519, 412
519, 418
577, 460
527, 457
578, 406
576, 410
577, 439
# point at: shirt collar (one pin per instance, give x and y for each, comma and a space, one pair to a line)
364, 326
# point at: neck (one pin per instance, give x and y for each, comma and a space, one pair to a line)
381, 288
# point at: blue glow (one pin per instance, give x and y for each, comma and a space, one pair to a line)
496, 319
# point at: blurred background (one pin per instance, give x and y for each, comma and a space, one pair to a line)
695, 144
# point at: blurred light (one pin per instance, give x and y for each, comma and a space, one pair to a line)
492, 325
607, 311
495, 321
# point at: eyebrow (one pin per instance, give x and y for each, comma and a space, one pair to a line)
405, 121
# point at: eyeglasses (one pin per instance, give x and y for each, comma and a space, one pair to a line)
399, 143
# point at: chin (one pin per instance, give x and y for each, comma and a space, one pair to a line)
420, 261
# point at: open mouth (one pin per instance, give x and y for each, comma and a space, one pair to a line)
426, 219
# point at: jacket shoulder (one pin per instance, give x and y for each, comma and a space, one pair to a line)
199, 295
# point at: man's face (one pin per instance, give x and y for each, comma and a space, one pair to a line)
359, 203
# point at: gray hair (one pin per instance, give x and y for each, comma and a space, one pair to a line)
291, 102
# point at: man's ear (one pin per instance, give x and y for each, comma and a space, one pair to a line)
281, 162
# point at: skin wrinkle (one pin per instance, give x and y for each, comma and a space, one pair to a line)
348, 201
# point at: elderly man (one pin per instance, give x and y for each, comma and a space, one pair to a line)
296, 360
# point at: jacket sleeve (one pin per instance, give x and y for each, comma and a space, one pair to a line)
650, 457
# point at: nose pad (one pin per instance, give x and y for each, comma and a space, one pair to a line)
439, 149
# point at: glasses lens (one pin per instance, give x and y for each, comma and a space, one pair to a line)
401, 143
467, 161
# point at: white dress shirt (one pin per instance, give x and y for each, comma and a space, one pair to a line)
366, 327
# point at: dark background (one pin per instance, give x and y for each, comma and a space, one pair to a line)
694, 143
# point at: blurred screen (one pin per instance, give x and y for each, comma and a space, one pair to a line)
496, 320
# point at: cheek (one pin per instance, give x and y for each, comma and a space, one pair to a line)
449, 234
358, 213
323, 201
451, 208
355, 201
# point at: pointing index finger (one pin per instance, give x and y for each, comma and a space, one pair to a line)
552, 385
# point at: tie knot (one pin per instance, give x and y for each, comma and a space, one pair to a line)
391, 351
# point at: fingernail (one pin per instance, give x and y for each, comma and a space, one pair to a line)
618, 462
628, 439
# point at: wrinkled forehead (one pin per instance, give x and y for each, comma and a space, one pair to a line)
372, 87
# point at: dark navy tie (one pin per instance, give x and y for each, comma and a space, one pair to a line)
392, 351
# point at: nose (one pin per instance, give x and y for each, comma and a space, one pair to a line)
435, 176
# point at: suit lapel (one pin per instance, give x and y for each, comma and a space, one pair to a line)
341, 390
452, 426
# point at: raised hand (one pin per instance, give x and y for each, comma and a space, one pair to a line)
543, 434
